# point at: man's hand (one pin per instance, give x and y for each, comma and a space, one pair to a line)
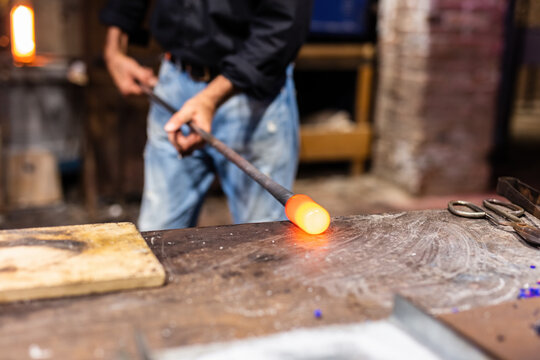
200, 109
124, 70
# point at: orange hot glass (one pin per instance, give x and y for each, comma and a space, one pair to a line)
307, 214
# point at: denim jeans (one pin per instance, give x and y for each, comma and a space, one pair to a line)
263, 132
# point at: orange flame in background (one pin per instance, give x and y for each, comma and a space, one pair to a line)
307, 214
23, 43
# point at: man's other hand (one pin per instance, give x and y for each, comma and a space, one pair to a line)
124, 70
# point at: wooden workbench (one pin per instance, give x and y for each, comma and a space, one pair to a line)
233, 282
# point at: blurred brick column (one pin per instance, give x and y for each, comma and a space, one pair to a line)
438, 80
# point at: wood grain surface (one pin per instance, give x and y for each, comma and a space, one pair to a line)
510, 330
238, 281
73, 260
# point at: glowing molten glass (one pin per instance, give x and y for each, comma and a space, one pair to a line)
23, 44
307, 214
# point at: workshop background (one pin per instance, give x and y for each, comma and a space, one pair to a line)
404, 104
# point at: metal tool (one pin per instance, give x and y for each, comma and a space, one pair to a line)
513, 213
407, 319
433, 333
279, 192
520, 193
300, 209
142, 346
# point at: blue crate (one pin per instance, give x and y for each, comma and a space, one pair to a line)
340, 17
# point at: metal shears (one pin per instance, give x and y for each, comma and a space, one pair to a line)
509, 211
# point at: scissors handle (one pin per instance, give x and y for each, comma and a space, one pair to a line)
512, 215
529, 233
476, 212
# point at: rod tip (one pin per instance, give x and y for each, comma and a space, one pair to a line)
305, 213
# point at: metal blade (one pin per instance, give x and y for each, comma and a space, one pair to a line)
432, 333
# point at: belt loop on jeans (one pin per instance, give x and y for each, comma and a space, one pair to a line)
199, 73
205, 77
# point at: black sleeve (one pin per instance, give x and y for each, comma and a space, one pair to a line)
276, 33
128, 15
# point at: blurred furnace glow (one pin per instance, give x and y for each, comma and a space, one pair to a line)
23, 44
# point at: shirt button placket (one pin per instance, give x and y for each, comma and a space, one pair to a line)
189, 9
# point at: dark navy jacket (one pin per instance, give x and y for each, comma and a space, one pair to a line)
250, 41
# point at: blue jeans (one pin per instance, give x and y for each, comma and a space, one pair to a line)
263, 132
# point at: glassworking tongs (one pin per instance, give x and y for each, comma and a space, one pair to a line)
509, 211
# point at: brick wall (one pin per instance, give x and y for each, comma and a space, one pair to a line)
438, 77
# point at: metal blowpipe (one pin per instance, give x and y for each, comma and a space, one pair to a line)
300, 209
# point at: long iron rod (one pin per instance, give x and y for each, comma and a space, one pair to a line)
281, 193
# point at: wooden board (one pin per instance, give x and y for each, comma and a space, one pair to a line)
74, 260
508, 330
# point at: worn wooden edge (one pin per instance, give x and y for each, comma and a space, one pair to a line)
44, 228
67, 290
